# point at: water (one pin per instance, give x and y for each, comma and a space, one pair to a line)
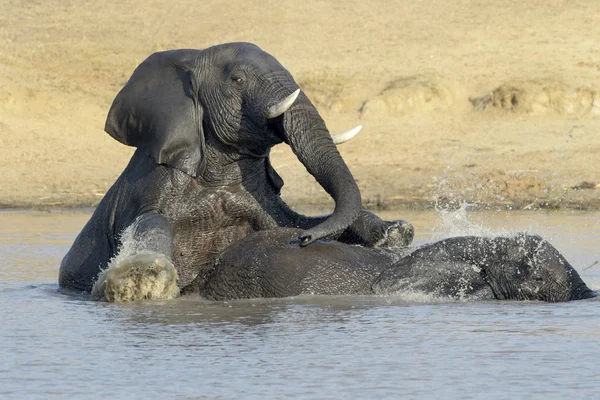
55, 346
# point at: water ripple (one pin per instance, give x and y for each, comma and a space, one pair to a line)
58, 346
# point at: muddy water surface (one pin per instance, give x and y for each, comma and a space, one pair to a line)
55, 346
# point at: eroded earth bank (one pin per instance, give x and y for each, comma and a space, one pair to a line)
493, 103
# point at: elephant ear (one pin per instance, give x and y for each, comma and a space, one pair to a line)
158, 111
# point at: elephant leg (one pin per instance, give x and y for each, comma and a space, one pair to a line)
367, 229
87, 256
142, 267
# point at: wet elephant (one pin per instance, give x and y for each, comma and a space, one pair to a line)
203, 123
516, 267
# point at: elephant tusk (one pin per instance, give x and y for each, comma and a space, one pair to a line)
277, 109
339, 138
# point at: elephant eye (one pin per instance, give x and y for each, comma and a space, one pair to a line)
238, 80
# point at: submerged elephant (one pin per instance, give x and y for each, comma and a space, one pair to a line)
518, 267
203, 122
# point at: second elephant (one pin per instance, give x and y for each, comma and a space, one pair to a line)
517, 267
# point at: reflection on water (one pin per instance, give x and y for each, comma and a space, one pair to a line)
53, 345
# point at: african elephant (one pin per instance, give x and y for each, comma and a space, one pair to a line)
203, 123
517, 267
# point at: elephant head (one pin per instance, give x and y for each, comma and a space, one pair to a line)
533, 270
190, 109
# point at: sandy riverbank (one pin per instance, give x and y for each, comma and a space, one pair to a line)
495, 103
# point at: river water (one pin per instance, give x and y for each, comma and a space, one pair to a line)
56, 346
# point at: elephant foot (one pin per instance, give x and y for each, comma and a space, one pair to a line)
396, 234
137, 277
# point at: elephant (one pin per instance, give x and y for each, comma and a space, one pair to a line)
516, 267
203, 123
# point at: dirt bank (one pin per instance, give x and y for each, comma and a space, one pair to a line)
494, 103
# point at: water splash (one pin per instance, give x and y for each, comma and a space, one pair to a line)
451, 223
136, 272
417, 296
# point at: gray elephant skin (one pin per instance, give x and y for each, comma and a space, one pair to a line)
203, 123
198, 207
517, 267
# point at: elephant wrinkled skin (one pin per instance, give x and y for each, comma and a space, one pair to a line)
203, 123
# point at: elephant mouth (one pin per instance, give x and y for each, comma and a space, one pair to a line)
275, 126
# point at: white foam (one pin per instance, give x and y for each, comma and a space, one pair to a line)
136, 273
456, 223
417, 296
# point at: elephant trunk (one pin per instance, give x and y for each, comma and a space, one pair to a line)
579, 290
305, 131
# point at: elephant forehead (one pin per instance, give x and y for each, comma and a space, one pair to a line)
231, 55
155, 65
